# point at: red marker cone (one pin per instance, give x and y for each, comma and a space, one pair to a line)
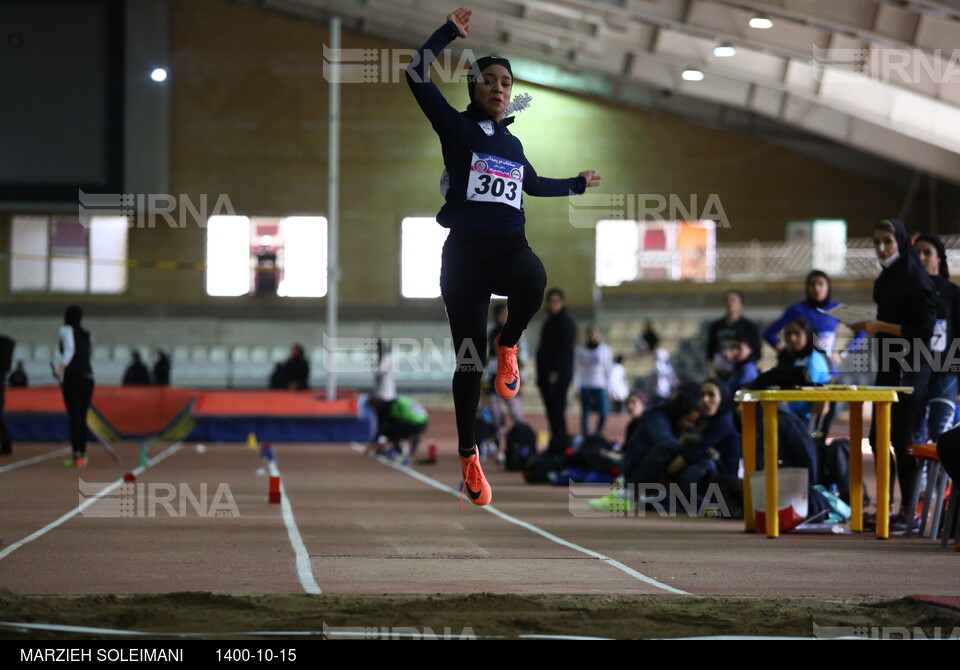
274, 490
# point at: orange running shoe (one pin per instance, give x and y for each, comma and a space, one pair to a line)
508, 373
475, 485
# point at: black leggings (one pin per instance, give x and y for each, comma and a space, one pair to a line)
948, 449
77, 394
904, 416
472, 269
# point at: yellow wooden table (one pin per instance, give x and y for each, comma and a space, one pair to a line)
855, 396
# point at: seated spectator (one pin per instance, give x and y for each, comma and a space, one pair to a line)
636, 404
722, 331
18, 378
161, 368
711, 448
278, 378
136, 373
663, 423
800, 349
795, 445
743, 368
297, 370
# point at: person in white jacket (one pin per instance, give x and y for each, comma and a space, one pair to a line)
593, 369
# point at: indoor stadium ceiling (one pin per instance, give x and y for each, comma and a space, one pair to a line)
876, 76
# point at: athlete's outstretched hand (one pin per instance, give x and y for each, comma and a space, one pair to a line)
460, 19
593, 179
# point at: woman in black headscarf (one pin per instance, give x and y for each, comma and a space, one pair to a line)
906, 313
76, 378
942, 388
712, 447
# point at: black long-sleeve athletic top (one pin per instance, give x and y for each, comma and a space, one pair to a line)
487, 169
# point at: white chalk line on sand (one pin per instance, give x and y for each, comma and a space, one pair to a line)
304, 570
35, 459
109, 488
529, 526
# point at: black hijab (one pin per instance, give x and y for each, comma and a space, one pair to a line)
789, 357
937, 244
826, 301
73, 315
726, 397
679, 407
906, 272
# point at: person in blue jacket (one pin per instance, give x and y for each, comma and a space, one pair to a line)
818, 290
825, 326
486, 251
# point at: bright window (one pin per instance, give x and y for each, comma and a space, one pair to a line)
267, 256
421, 244
68, 254
655, 251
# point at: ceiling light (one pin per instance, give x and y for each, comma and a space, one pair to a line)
691, 74
159, 74
724, 50
760, 21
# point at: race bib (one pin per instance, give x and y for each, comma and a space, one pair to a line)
494, 179
939, 340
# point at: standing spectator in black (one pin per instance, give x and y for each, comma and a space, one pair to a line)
555, 367
136, 373
723, 331
942, 388
76, 378
948, 451
906, 314
297, 369
161, 368
18, 378
6, 358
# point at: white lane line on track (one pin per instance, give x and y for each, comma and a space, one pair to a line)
169, 451
35, 459
304, 570
529, 526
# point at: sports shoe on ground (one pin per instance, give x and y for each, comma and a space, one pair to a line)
75, 463
898, 524
508, 372
613, 503
475, 485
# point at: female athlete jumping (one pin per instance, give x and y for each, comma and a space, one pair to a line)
487, 250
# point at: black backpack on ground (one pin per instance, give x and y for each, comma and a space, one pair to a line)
834, 467
594, 455
521, 447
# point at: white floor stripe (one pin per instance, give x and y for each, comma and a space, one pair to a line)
304, 569
35, 459
169, 451
529, 526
